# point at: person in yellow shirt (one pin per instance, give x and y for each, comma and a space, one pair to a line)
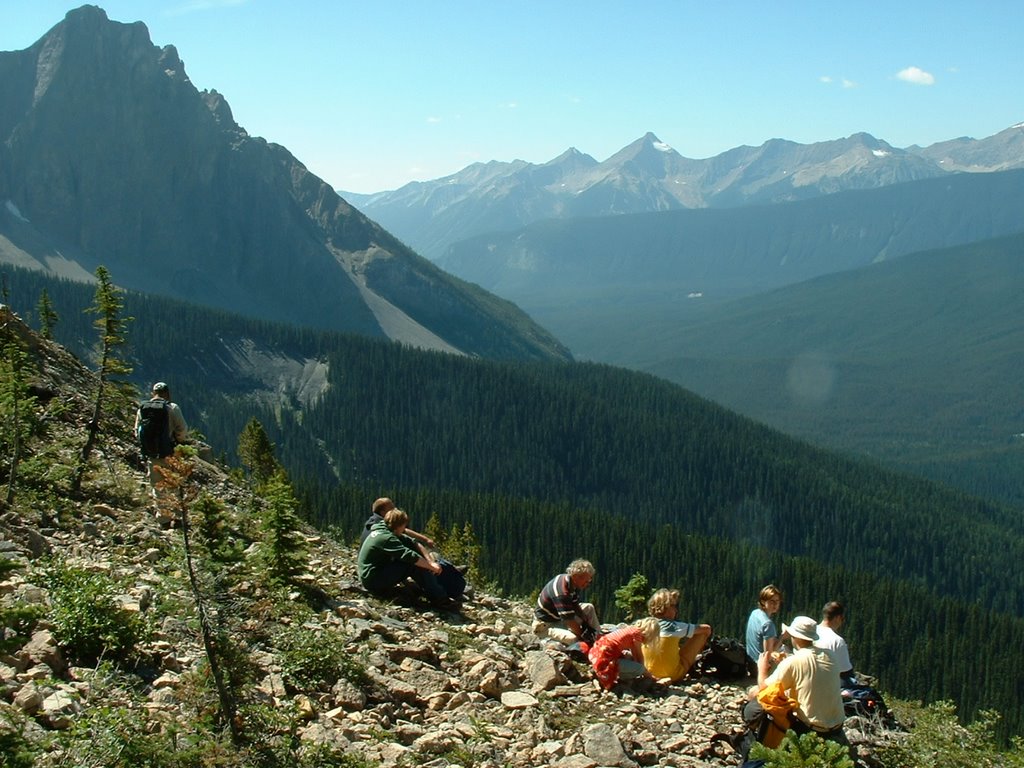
671, 654
810, 676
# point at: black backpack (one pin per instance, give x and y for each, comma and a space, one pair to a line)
724, 658
154, 429
863, 700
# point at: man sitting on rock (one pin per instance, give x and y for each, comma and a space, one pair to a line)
452, 577
810, 677
559, 614
387, 558
833, 616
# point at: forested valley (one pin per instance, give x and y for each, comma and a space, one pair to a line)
547, 462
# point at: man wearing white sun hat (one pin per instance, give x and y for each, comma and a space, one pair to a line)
810, 676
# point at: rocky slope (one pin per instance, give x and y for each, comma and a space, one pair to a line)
415, 687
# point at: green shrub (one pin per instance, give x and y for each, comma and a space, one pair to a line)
806, 751
16, 751
313, 660
87, 621
935, 737
631, 597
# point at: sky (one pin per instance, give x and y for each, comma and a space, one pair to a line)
373, 94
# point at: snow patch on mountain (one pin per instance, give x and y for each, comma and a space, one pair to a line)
15, 211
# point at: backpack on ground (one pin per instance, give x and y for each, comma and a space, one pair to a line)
154, 429
724, 658
863, 700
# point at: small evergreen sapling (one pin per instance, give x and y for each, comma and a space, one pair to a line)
631, 597
806, 751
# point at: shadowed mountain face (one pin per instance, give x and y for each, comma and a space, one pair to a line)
111, 156
648, 175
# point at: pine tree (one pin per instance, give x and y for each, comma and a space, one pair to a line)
16, 403
107, 305
283, 549
47, 316
631, 597
257, 452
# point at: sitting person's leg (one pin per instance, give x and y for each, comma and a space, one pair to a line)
386, 576
590, 614
689, 651
451, 580
430, 585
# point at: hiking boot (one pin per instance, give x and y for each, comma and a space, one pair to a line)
446, 604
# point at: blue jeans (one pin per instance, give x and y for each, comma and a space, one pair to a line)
388, 575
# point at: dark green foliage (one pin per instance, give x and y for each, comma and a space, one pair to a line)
47, 315
87, 621
17, 620
111, 324
20, 419
936, 739
16, 751
315, 661
806, 751
631, 597
256, 452
219, 543
283, 548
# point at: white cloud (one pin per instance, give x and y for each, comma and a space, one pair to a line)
829, 80
434, 120
916, 76
510, 105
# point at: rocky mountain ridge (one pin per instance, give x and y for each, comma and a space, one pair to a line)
110, 155
649, 175
423, 688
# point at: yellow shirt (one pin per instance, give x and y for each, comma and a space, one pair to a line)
811, 676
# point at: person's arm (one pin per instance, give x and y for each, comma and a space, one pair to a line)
425, 540
771, 644
763, 662
429, 565
424, 553
574, 626
177, 425
637, 652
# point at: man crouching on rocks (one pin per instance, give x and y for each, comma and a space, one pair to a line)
559, 614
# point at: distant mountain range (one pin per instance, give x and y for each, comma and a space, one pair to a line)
658, 260
109, 155
648, 175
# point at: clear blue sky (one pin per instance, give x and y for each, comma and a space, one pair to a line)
372, 94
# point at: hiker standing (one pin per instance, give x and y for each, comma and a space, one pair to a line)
159, 426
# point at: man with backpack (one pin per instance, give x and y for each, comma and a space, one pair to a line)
159, 426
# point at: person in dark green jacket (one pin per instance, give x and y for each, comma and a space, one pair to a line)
387, 558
